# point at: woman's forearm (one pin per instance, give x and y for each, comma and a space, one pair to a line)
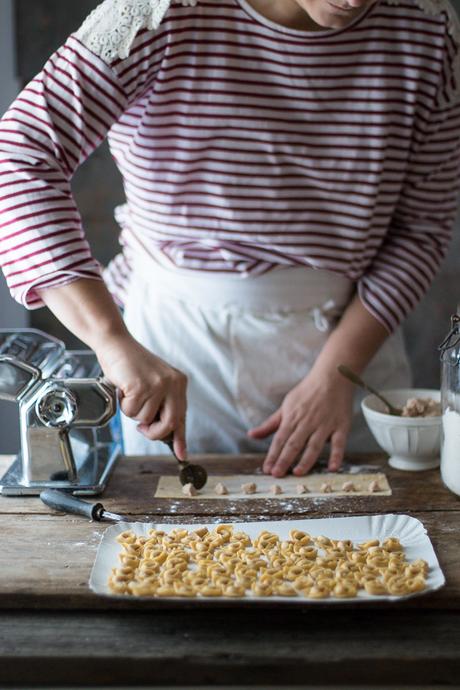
354, 342
87, 309
150, 390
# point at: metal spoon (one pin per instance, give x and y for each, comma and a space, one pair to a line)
189, 473
357, 380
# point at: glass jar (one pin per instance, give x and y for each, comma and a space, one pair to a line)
450, 403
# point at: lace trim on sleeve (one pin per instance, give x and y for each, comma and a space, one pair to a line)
433, 8
110, 29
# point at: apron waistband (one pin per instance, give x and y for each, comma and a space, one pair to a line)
283, 289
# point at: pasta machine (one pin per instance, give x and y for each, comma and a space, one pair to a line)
69, 424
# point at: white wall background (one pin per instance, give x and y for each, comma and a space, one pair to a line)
11, 314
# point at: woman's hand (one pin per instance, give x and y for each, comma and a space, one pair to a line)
151, 392
317, 410
320, 407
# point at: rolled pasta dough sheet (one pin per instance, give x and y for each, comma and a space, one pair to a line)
170, 487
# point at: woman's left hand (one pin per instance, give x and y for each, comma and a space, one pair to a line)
317, 410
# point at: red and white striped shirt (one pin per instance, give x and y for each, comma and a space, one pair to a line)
244, 145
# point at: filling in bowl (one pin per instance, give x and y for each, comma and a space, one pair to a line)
421, 407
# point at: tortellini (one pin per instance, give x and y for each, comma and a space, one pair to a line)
222, 562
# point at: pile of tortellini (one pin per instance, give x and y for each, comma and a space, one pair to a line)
224, 562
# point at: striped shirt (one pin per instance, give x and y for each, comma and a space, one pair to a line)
245, 146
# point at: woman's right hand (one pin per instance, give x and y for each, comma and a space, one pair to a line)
151, 391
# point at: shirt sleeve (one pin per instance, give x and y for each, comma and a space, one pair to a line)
59, 119
419, 234
53, 126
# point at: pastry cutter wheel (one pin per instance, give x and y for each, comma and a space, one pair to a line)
188, 473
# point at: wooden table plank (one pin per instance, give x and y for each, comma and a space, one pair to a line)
132, 487
179, 648
45, 562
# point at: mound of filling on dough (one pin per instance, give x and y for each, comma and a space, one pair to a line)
189, 490
249, 488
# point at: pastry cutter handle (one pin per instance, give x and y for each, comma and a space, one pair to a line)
65, 502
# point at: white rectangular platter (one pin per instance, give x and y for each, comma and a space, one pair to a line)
410, 531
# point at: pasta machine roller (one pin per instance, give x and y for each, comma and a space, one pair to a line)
69, 424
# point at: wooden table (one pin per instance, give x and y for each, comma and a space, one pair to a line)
53, 630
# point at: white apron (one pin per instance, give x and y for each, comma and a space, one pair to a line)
243, 343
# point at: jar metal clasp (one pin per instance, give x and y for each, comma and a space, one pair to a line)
452, 339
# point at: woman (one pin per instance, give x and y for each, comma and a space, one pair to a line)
291, 175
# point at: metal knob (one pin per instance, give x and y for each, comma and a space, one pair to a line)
57, 407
